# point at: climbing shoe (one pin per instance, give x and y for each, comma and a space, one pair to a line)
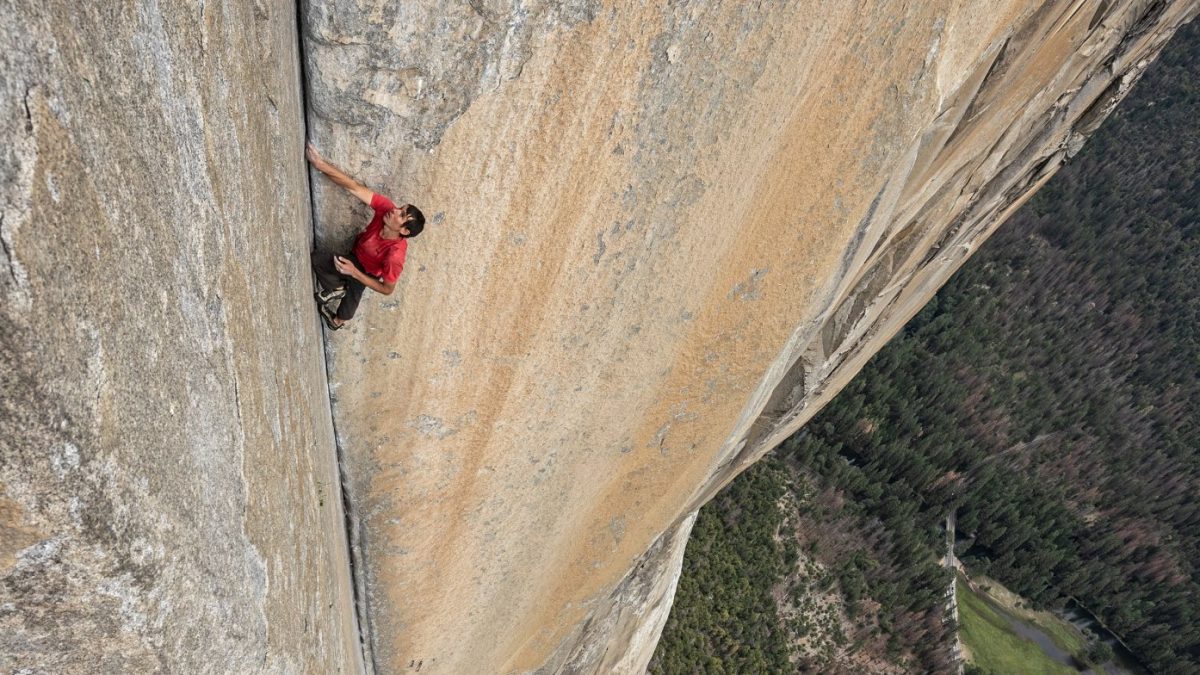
328, 315
324, 297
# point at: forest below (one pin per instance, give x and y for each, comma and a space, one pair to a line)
1047, 395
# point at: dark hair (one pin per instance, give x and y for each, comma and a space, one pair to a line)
415, 222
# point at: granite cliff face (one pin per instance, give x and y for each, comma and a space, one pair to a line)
168, 490
662, 236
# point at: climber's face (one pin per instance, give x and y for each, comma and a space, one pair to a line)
397, 218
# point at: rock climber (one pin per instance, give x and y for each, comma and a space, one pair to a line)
378, 254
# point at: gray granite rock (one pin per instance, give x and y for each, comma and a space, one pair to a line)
169, 500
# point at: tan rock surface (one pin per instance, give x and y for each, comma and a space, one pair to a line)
661, 236
168, 494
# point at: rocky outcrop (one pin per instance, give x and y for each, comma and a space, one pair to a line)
169, 500
662, 235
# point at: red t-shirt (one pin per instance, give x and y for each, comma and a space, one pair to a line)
383, 258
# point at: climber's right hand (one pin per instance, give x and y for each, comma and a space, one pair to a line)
313, 156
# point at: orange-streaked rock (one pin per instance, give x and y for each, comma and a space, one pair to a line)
662, 235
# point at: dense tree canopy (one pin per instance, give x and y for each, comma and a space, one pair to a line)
1047, 395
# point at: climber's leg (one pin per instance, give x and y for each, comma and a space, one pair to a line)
328, 278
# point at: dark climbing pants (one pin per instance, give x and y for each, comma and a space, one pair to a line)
329, 278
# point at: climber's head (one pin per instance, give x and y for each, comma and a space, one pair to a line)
407, 219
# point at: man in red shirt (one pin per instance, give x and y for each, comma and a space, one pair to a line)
378, 255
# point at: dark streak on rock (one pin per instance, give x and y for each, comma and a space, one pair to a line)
28, 114
860, 232
479, 9
1145, 22
995, 68
358, 567
8, 254
1101, 11
599, 253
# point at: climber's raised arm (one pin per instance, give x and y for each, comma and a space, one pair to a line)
377, 258
352, 186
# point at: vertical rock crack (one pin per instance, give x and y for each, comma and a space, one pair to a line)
357, 569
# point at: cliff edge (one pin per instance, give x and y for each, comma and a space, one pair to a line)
662, 235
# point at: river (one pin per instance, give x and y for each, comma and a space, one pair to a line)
1048, 646
1123, 662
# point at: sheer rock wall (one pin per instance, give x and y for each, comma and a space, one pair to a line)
169, 497
662, 235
